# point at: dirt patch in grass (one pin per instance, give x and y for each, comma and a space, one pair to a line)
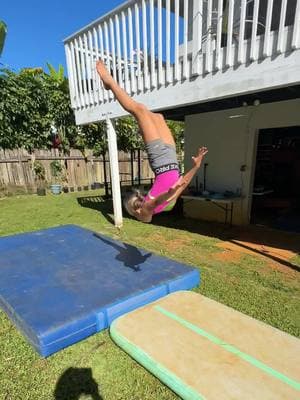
276, 258
276, 266
258, 249
277, 246
228, 256
171, 245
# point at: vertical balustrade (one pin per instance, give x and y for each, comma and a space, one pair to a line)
112, 55
198, 7
131, 52
208, 50
152, 45
138, 48
102, 53
281, 26
83, 72
159, 31
219, 53
78, 69
296, 30
241, 56
92, 57
72, 75
145, 45
229, 58
119, 58
176, 52
107, 54
267, 43
74, 54
185, 38
98, 88
88, 76
168, 42
253, 48
125, 53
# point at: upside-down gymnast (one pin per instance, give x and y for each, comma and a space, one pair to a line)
160, 146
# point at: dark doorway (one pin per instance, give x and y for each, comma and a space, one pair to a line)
276, 192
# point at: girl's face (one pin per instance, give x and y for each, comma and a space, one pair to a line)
138, 202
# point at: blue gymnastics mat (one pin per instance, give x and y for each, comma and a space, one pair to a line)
61, 285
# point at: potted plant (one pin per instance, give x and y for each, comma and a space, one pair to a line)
39, 173
57, 173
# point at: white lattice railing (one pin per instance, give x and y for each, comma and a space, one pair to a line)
152, 44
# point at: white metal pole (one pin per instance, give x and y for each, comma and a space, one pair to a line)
115, 177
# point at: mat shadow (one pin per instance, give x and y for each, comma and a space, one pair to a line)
75, 382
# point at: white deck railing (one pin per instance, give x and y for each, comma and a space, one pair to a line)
152, 44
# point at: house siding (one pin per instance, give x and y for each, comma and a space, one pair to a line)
231, 137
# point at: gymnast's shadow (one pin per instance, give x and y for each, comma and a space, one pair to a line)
75, 382
129, 255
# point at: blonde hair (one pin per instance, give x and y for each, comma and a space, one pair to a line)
130, 200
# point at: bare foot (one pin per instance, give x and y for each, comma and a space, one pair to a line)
104, 74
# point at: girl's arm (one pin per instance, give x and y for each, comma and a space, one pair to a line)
185, 180
146, 212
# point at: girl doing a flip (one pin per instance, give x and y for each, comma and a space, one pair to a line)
160, 146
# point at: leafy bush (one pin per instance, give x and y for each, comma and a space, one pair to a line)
33, 102
57, 171
39, 171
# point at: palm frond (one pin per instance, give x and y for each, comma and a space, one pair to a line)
3, 31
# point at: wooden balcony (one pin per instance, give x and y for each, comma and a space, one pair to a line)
173, 53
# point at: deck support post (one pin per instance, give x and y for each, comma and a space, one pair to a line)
115, 177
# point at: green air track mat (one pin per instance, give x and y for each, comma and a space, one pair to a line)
202, 349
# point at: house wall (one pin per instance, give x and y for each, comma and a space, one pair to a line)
231, 137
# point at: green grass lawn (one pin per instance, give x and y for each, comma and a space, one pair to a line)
247, 284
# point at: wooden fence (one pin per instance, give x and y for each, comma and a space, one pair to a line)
16, 168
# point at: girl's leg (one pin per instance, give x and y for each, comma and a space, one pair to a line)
163, 129
143, 116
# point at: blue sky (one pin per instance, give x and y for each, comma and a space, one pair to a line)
36, 29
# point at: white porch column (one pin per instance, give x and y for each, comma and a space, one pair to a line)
114, 169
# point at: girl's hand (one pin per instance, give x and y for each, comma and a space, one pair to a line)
198, 158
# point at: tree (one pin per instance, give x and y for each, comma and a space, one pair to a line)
35, 108
33, 104
93, 137
24, 117
3, 31
128, 136
57, 76
59, 107
177, 129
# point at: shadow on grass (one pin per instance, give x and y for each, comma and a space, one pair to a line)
251, 238
102, 204
254, 237
75, 382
